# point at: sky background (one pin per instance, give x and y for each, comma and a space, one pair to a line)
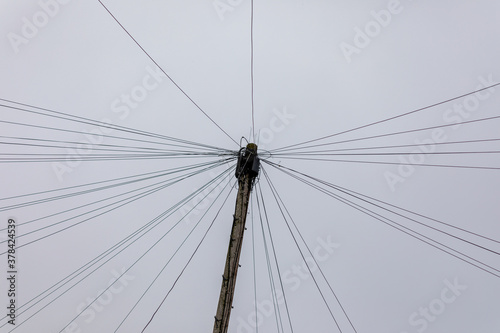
79, 61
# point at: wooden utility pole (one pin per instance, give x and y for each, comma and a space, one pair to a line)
246, 171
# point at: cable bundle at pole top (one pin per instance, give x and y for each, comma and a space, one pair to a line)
186, 222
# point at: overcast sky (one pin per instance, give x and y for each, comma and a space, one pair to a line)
321, 67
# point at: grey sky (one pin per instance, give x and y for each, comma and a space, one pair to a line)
315, 75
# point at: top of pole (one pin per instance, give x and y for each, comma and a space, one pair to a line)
248, 162
252, 147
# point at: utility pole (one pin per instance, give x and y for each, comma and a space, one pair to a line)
247, 170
